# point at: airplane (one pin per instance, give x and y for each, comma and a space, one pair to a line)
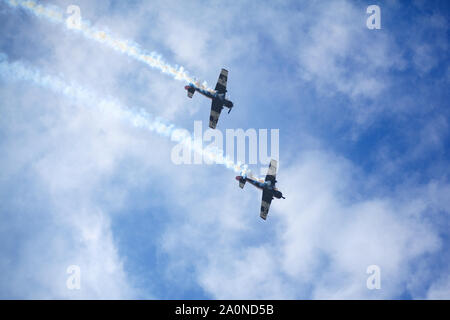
217, 96
267, 186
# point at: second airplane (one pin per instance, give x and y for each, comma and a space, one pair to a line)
217, 96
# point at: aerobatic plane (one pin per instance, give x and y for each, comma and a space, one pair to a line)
267, 186
217, 96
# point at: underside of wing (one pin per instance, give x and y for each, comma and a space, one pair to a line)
221, 86
216, 108
272, 172
265, 203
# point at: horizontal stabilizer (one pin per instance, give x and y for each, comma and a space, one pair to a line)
190, 91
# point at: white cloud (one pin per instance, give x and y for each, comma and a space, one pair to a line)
341, 55
317, 243
440, 290
66, 157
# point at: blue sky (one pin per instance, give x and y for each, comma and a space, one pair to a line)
364, 153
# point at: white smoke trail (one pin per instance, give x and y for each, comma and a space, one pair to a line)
154, 60
140, 119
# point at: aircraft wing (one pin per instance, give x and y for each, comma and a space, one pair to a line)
216, 108
272, 172
265, 203
221, 86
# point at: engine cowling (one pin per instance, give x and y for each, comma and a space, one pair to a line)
228, 104
277, 194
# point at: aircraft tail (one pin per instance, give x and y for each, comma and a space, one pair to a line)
190, 91
241, 181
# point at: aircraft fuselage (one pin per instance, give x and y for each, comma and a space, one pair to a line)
266, 185
213, 95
